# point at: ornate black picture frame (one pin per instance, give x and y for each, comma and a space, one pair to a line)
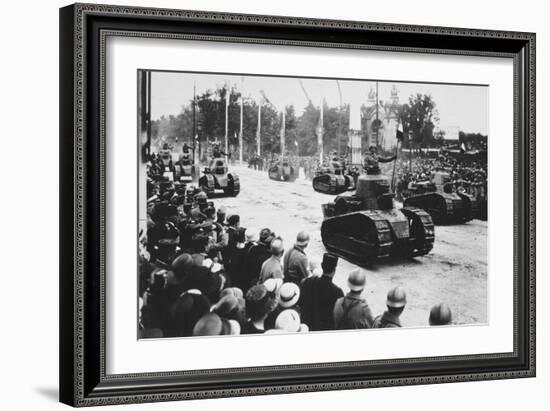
83, 30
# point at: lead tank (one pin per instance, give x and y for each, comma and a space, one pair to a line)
365, 226
443, 202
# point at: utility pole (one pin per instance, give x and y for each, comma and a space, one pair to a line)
339, 138
194, 122
377, 121
241, 126
283, 126
259, 128
320, 133
227, 97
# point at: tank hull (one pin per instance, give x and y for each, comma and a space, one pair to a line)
282, 173
330, 183
217, 181
446, 208
363, 237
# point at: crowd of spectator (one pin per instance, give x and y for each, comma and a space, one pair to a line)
202, 273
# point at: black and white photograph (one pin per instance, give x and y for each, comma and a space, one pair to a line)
272, 204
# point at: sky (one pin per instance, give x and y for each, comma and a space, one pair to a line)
465, 107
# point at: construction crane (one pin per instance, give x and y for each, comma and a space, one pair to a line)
305, 92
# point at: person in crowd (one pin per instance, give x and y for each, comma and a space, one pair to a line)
273, 266
221, 215
259, 304
318, 296
289, 321
257, 254
395, 303
273, 286
233, 230
188, 308
295, 262
212, 324
231, 307
352, 311
440, 314
199, 243
288, 297
166, 245
235, 267
217, 237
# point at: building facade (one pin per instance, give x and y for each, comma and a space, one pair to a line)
381, 118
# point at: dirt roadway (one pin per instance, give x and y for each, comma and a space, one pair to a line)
454, 272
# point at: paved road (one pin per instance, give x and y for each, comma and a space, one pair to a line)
454, 272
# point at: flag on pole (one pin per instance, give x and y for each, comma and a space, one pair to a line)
399, 133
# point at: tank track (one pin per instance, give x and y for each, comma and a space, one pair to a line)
236, 185
421, 231
355, 249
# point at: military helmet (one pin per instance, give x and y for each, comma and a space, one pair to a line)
357, 280
397, 297
440, 314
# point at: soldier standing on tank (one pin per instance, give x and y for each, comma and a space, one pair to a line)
217, 152
372, 158
186, 154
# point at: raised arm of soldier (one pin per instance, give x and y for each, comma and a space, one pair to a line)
371, 160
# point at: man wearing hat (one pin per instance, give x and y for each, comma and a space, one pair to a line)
213, 324
352, 311
273, 267
257, 254
165, 245
371, 160
233, 231
295, 264
318, 296
395, 302
289, 321
184, 313
289, 295
440, 314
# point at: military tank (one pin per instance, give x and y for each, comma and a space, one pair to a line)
365, 226
165, 156
332, 179
216, 179
282, 170
185, 169
443, 202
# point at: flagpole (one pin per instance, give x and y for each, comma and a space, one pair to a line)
394, 163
